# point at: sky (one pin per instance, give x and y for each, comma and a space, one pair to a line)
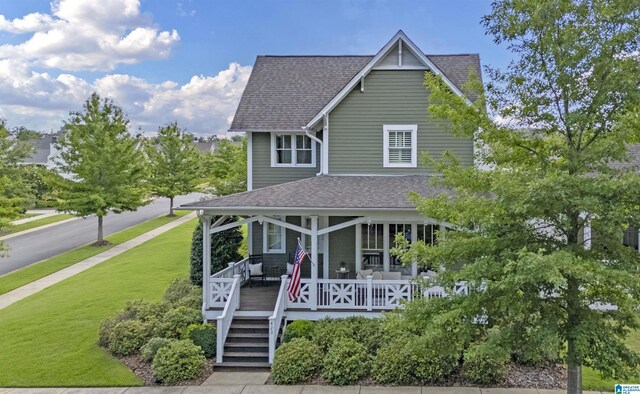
188, 61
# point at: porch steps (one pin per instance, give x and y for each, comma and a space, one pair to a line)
247, 345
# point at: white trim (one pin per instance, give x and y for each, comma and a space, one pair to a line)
206, 259
414, 238
358, 243
399, 53
324, 222
265, 237
250, 238
386, 263
314, 263
294, 158
340, 226
325, 145
413, 128
379, 56
249, 161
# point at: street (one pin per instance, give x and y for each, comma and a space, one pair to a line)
42, 244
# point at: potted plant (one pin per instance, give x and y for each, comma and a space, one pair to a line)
343, 266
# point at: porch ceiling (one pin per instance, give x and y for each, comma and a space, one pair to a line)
328, 193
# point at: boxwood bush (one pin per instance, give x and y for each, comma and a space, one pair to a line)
149, 350
433, 358
485, 364
298, 329
176, 321
178, 361
363, 330
127, 337
296, 362
391, 365
204, 336
346, 362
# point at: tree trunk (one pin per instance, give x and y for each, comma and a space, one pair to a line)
171, 207
574, 364
100, 240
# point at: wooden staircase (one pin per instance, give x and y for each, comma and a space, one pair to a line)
247, 345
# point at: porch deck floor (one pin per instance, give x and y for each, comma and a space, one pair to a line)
259, 297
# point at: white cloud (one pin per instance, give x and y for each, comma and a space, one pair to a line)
95, 35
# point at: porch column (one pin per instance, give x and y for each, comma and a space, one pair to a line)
587, 237
414, 238
313, 291
385, 247
325, 248
206, 260
358, 247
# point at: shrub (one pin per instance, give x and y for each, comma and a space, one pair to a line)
127, 337
203, 335
104, 334
145, 312
178, 289
296, 361
298, 329
176, 321
363, 330
346, 362
149, 350
391, 365
485, 364
433, 358
178, 361
224, 249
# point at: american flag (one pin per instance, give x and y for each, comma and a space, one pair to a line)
294, 284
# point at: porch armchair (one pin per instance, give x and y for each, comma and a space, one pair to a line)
256, 269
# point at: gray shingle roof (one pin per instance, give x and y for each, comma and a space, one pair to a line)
286, 92
331, 192
42, 149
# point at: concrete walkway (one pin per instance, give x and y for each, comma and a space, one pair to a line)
272, 389
40, 284
40, 214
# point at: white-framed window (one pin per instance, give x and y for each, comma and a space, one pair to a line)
274, 237
306, 239
400, 145
292, 150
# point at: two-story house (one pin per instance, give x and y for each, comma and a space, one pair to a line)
334, 147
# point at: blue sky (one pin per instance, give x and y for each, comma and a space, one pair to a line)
189, 60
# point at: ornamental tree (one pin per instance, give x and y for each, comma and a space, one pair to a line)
543, 219
226, 168
106, 166
173, 163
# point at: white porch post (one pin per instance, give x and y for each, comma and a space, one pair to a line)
206, 259
587, 237
385, 247
414, 238
325, 248
250, 238
358, 247
313, 291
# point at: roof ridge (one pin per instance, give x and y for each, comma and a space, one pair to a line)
426, 54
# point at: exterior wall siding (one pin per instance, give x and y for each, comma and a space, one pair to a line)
342, 247
264, 175
390, 97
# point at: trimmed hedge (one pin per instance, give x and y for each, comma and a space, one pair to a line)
204, 336
365, 331
178, 361
296, 362
485, 364
224, 249
346, 362
298, 329
149, 350
127, 337
176, 321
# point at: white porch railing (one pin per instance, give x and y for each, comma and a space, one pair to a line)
239, 268
224, 320
275, 320
219, 286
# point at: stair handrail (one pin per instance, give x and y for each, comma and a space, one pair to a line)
275, 320
223, 322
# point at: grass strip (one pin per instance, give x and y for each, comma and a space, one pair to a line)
35, 223
46, 267
50, 339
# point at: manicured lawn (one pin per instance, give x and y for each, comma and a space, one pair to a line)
36, 223
592, 380
50, 338
33, 272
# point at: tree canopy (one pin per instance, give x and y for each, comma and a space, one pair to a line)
226, 168
105, 162
174, 163
542, 219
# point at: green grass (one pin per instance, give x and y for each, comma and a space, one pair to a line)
50, 338
35, 223
592, 380
39, 270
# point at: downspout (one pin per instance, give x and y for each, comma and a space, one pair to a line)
316, 139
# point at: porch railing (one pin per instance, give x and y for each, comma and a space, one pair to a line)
275, 320
223, 322
220, 283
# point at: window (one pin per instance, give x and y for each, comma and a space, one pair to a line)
372, 237
274, 237
428, 233
400, 145
630, 237
292, 150
306, 239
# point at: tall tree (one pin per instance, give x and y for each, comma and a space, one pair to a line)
226, 168
14, 192
105, 162
174, 163
567, 106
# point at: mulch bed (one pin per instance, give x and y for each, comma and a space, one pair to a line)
143, 371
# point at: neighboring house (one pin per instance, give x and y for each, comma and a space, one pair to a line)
205, 147
45, 152
333, 151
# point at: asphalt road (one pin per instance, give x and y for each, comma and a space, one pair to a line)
39, 245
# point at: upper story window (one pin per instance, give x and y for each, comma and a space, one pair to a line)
292, 150
400, 145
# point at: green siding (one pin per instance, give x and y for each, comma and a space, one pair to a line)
342, 247
265, 175
390, 97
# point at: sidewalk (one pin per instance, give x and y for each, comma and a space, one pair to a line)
41, 214
40, 284
272, 389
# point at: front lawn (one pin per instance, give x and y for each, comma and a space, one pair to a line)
35, 223
50, 338
39, 270
592, 380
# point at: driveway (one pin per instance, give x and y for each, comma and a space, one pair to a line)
39, 245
